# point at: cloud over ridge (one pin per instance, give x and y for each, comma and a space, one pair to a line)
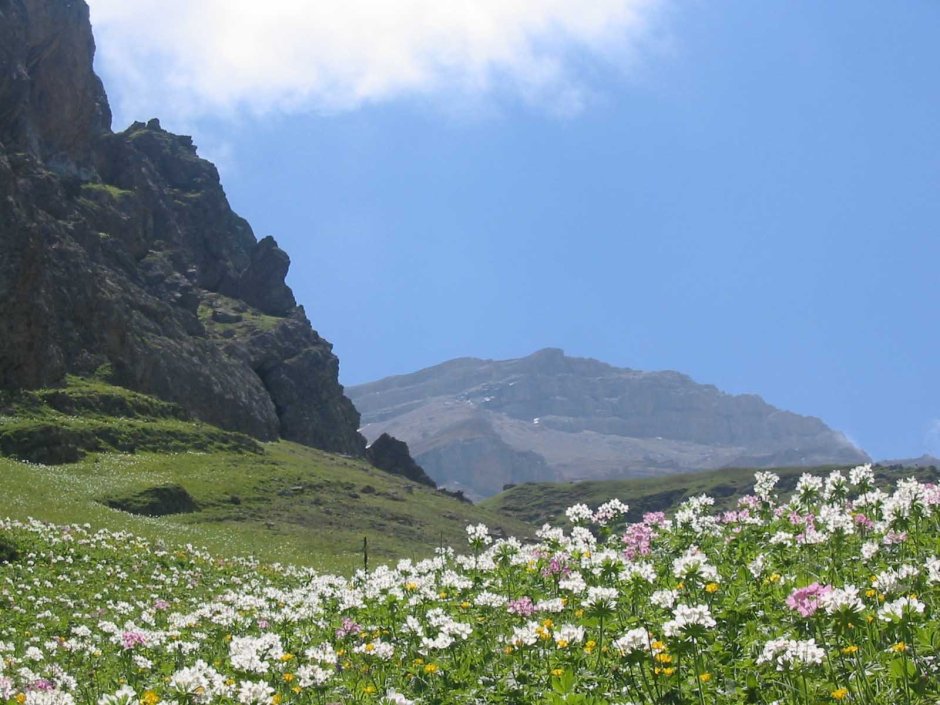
200, 57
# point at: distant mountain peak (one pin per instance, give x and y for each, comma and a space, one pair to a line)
478, 424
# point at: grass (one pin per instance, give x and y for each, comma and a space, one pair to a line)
537, 503
277, 501
88, 415
251, 319
114, 192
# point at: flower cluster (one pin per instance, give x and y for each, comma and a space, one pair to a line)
831, 594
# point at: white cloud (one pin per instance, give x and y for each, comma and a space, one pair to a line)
210, 57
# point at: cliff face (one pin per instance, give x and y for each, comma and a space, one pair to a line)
119, 254
477, 424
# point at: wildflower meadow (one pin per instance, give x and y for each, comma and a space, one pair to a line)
830, 595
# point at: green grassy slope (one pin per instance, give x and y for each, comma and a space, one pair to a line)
277, 501
536, 503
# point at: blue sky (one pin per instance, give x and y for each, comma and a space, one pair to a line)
747, 192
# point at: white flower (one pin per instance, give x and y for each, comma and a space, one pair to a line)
312, 675
579, 514
932, 565
808, 486
862, 476
600, 599
633, 641
377, 648
842, 600
124, 696
568, 634
694, 564
251, 654
902, 609
479, 535
764, 483
609, 511
689, 619
664, 598
252, 693
791, 654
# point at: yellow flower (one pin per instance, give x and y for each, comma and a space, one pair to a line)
680, 586
464, 605
547, 623
705, 677
276, 699
850, 649
579, 613
411, 586
839, 693
658, 645
442, 595
590, 646
288, 677
663, 658
286, 657
711, 587
431, 668
20, 698
368, 689
871, 592
900, 647
369, 648
775, 578
558, 672
562, 643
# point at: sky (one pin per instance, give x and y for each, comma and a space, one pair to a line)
747, 192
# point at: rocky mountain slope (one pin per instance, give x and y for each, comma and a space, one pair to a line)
479, 424
120, 256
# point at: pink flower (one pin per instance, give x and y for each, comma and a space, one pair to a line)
131, 639
806, 600
349, 627
864, 521
523, 606
556, 566
637, 539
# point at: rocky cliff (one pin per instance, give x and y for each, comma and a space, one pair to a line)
479, 424
120, 256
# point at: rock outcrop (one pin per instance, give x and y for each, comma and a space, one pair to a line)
392, 455
120, 254
480, 424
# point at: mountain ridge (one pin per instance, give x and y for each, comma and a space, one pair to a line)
549, 417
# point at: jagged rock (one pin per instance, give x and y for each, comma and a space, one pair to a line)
262, 283
391, 455
51, 104
113, 245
